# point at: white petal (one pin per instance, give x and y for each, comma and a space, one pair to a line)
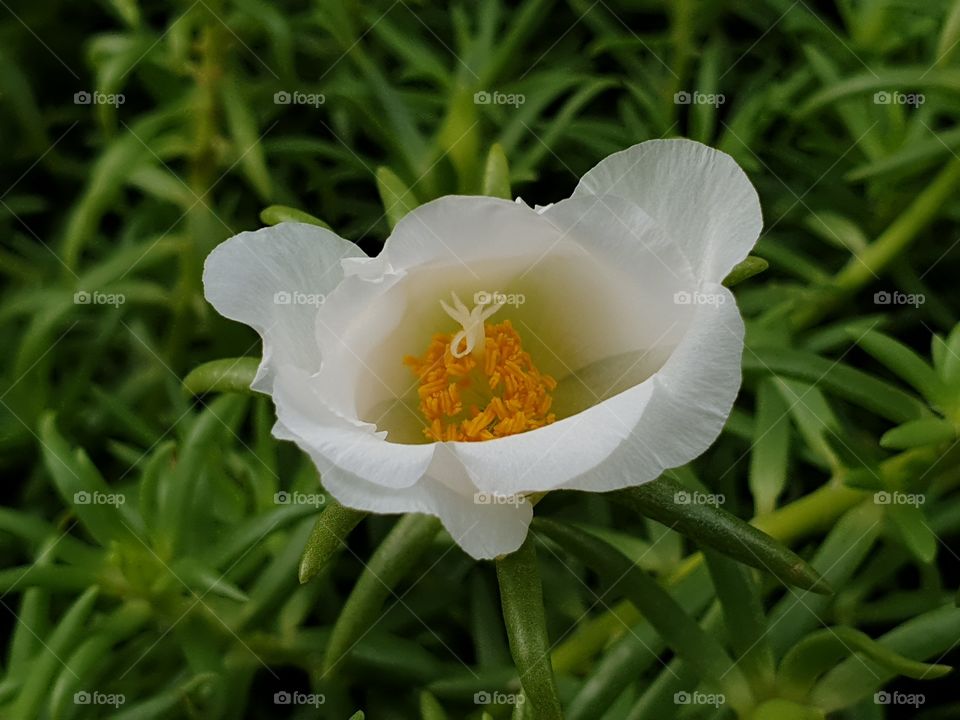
698, 194
620, 238
691, 400
344, 442
484, 530
245, 278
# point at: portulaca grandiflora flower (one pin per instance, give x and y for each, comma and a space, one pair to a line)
492, 351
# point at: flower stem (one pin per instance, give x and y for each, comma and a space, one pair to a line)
521, 596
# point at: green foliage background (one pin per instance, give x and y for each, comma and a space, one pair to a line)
185, 599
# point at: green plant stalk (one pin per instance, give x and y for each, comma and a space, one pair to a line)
861, 269
202, 227
521, 596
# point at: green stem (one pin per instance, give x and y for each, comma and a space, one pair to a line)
863, 268
521, 596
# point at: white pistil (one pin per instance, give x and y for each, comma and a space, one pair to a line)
471, 323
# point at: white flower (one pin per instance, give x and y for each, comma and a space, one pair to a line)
622, 360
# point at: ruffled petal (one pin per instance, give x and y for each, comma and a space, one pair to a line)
698, 194
691, 399
484, 526
274, 280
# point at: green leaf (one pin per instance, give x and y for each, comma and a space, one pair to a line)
838, 379
780, 709
226, 375
329, 535
927, 636
917, 433
79, 482
681, 632
245, 135
770, 454
745, 269
744, 619
847, 544
903, 362
822, 650
496, 174
430, 707
713, 527
911, 527
276, 214
69, 630
521, 596
396, 556
396, 197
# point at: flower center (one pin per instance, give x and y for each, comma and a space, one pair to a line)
479, 384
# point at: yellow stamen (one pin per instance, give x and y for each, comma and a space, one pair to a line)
469, 399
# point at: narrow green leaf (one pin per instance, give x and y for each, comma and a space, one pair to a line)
430, 707
227, 375
911, 527
840, 554
903, 362
55, 578
245, 135
770, 452
927, 636
396, 556
745, 269
744, 619
780, 709
82, 487
713, 527
917, 433
496, 174
68, 631
396, 197
680, 631
276, 214
822, 650
521, 596
329, 535
838, 379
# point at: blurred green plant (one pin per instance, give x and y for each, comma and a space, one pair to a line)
161, 562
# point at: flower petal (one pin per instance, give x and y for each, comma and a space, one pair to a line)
250, 276
691, 399
698, 194
484, 528
353, 446
621, 239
